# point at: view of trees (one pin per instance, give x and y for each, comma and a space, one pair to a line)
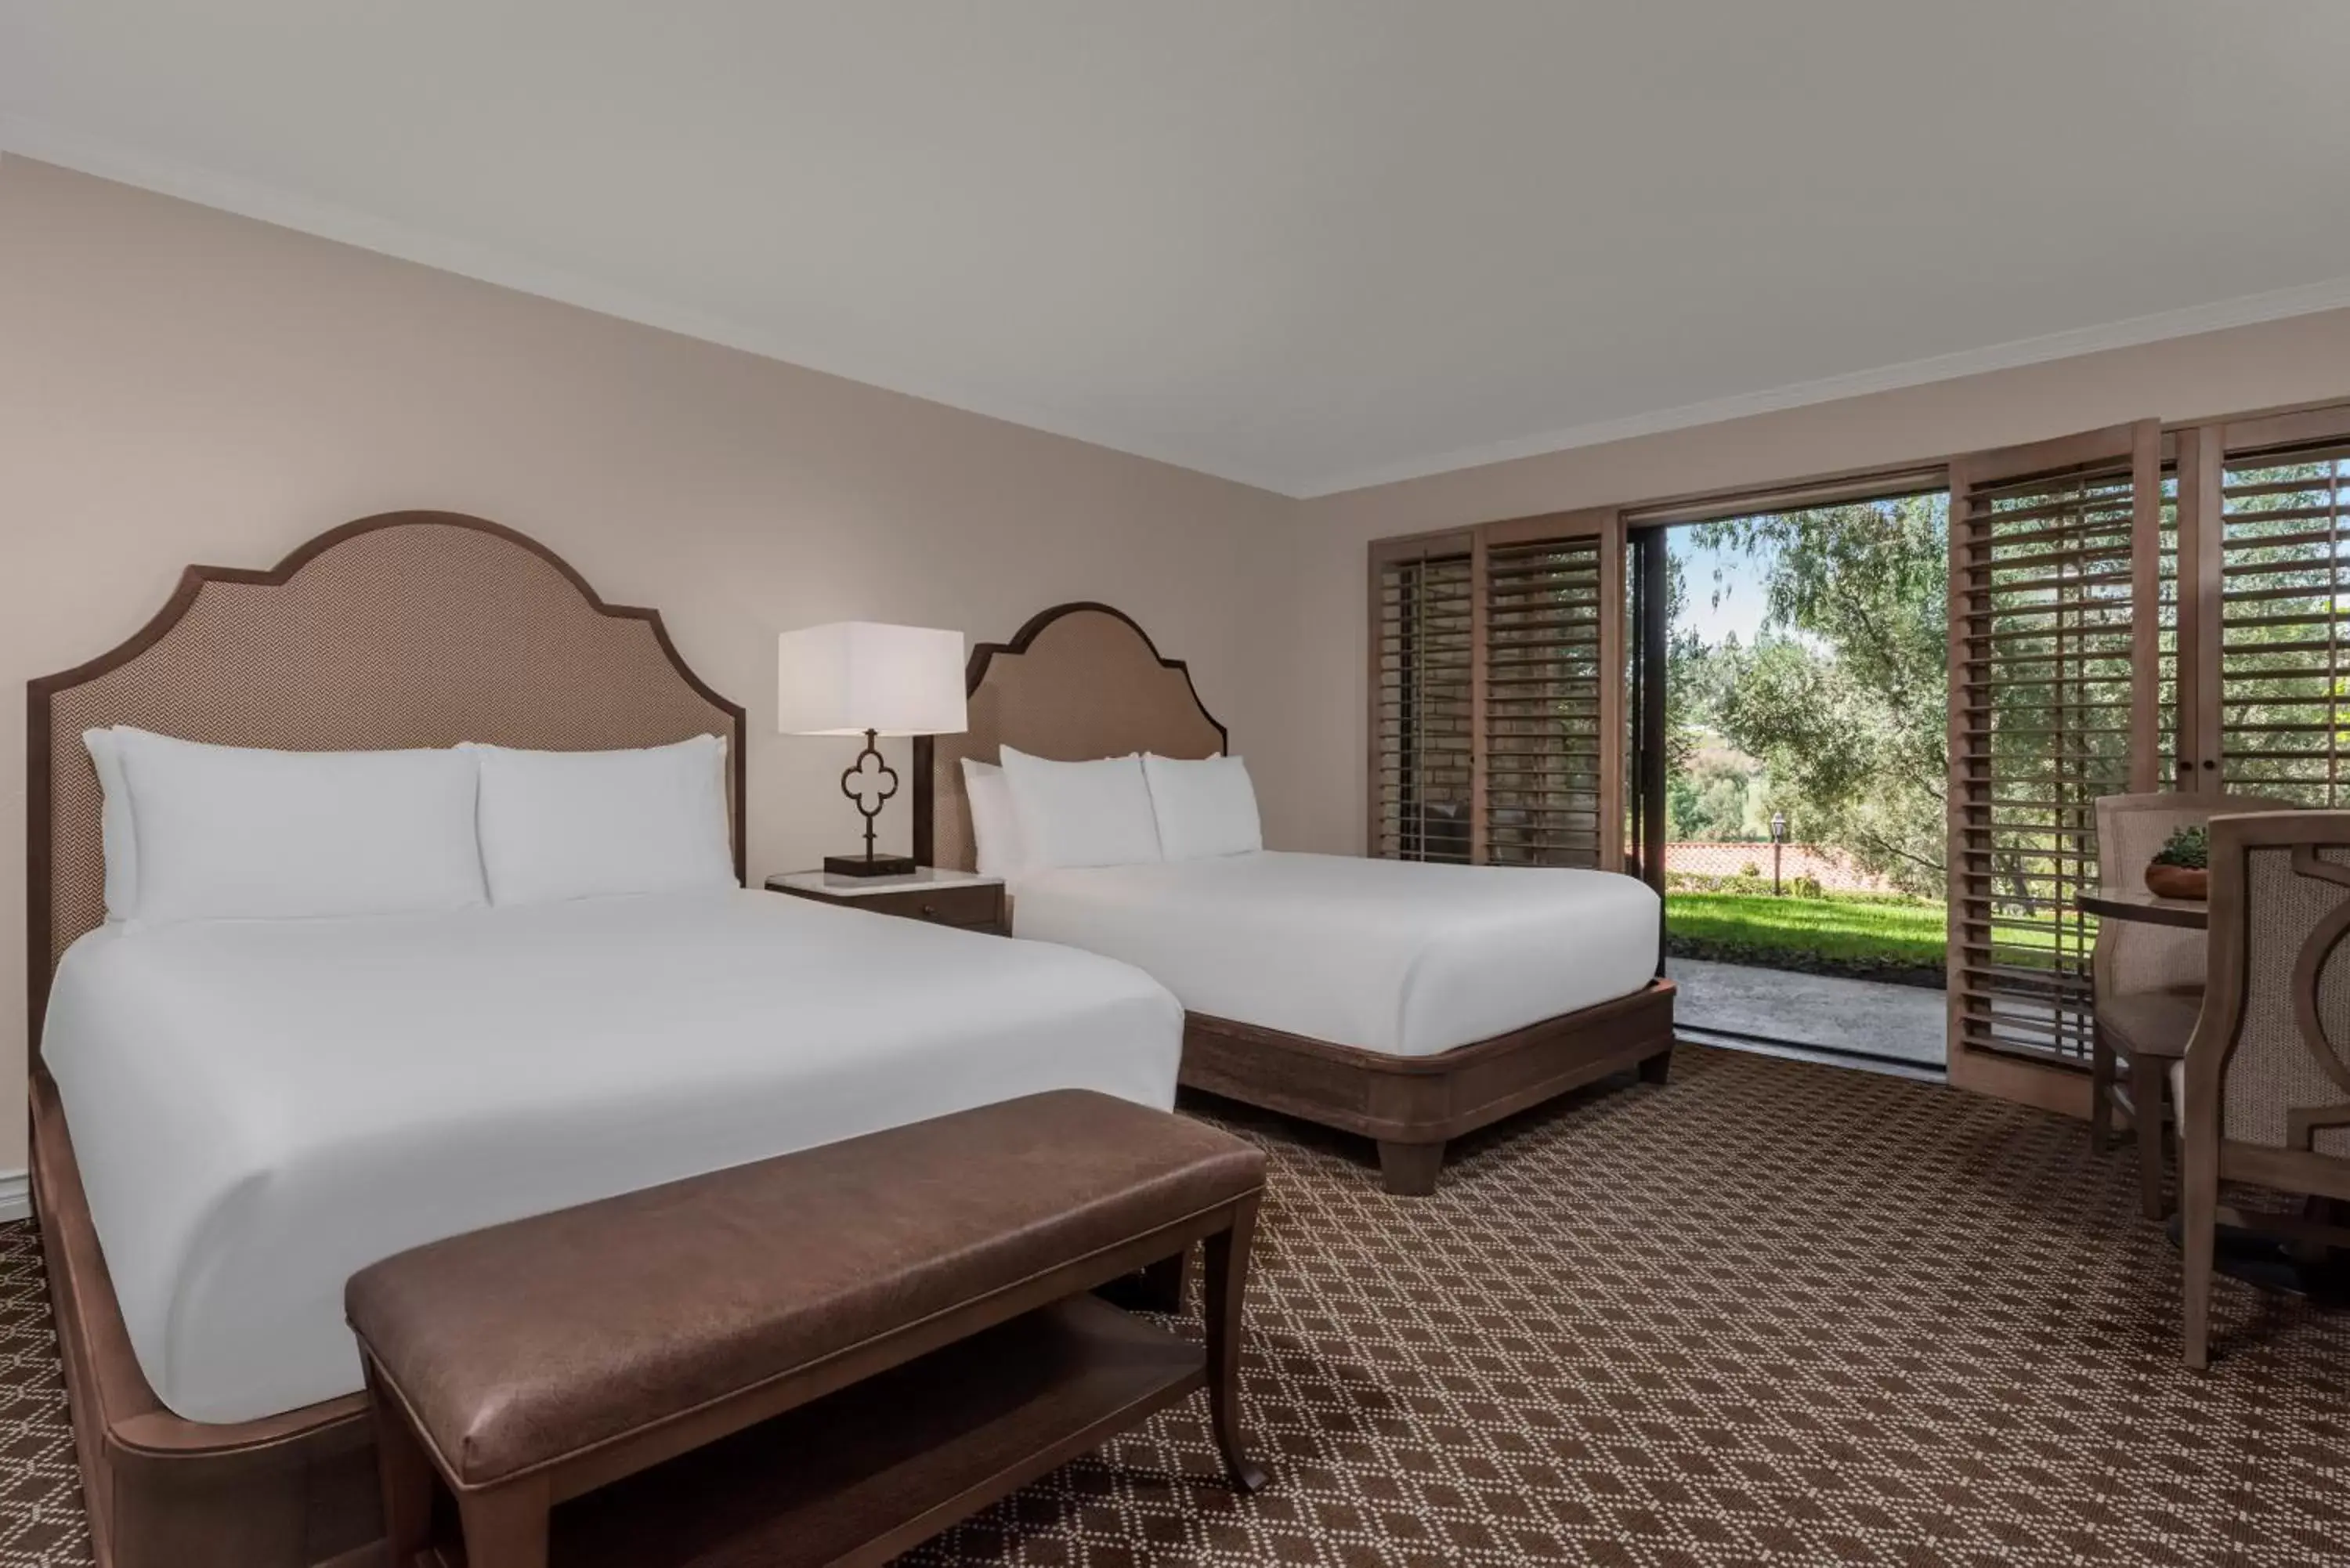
2285, 691
1834, 713
1718, 792
1830, 700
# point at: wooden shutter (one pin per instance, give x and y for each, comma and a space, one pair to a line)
2272, 516
1497, 693
2057, 633
1552, 717
1422, 728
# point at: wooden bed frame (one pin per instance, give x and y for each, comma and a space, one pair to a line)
415, 628
1084, 680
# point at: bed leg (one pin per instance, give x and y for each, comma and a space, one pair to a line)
1408, 1169
1658, 1069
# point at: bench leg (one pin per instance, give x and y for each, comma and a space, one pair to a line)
1408, 1169
506, 1526
1658, 1069
406, 1474
1225, 1256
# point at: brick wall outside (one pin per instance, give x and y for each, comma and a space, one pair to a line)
1832, 866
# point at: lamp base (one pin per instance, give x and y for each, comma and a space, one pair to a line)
875, 866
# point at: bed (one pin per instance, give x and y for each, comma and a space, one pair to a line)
1407, 1002
229, 1116
1393, 957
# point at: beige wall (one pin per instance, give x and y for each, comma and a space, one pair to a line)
1320, 747
179, 385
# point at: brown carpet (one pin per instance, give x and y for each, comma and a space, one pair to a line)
1772, 1313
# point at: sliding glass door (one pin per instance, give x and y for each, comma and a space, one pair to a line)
2128, 609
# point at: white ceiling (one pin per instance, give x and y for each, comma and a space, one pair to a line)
1308, 244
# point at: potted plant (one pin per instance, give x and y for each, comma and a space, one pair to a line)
2181, 870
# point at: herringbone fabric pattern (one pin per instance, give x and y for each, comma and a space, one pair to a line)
1769, 1314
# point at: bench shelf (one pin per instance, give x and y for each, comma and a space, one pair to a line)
871, 1472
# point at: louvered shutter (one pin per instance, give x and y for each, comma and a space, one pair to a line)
2280, 723
1546, 716
1423, 675
2058, 620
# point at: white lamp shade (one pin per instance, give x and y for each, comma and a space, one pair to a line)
852, 676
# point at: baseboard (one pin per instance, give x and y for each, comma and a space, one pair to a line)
16, 1195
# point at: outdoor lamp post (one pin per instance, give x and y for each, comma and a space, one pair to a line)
1778, 839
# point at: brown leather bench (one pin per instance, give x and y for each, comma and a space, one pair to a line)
825, 1357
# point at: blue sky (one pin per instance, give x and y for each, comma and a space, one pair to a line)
1741, 590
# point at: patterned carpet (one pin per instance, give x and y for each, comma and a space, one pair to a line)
1772, 1313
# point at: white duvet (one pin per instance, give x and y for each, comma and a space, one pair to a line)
260, 1108
1404, 957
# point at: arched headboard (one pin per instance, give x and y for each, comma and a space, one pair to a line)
1079, 682
410, 628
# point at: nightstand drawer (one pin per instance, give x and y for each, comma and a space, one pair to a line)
981, 906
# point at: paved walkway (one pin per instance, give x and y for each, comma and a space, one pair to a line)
1904, 1021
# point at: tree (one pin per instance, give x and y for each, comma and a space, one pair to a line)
1719, 795
1843, 696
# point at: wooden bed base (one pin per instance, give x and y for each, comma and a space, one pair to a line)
295, 1490
1413, 1105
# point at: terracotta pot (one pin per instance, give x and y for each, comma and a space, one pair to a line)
2177, 881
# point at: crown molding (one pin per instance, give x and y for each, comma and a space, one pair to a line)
486, 264
2245, 311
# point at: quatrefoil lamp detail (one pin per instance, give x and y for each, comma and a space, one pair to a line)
862, 678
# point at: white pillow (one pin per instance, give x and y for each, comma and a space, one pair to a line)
583, 825
1204, 808
1081, 814
994, 826
117, 834
237, 833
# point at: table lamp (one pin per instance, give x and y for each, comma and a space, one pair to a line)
859, 677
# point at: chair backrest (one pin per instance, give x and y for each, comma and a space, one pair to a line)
2133, 956
2274, 1039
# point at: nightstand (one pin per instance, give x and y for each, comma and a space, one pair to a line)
959, 898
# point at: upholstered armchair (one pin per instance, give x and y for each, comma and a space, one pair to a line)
2147, 981
2265, 1090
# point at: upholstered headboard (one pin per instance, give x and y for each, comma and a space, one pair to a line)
411, 629
1079, 682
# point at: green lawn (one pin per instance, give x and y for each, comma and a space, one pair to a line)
1859, 933
1838, 929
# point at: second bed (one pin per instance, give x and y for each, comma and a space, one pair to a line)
1406, 1001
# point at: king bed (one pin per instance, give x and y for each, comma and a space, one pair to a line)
1407, 1002
231, 1116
